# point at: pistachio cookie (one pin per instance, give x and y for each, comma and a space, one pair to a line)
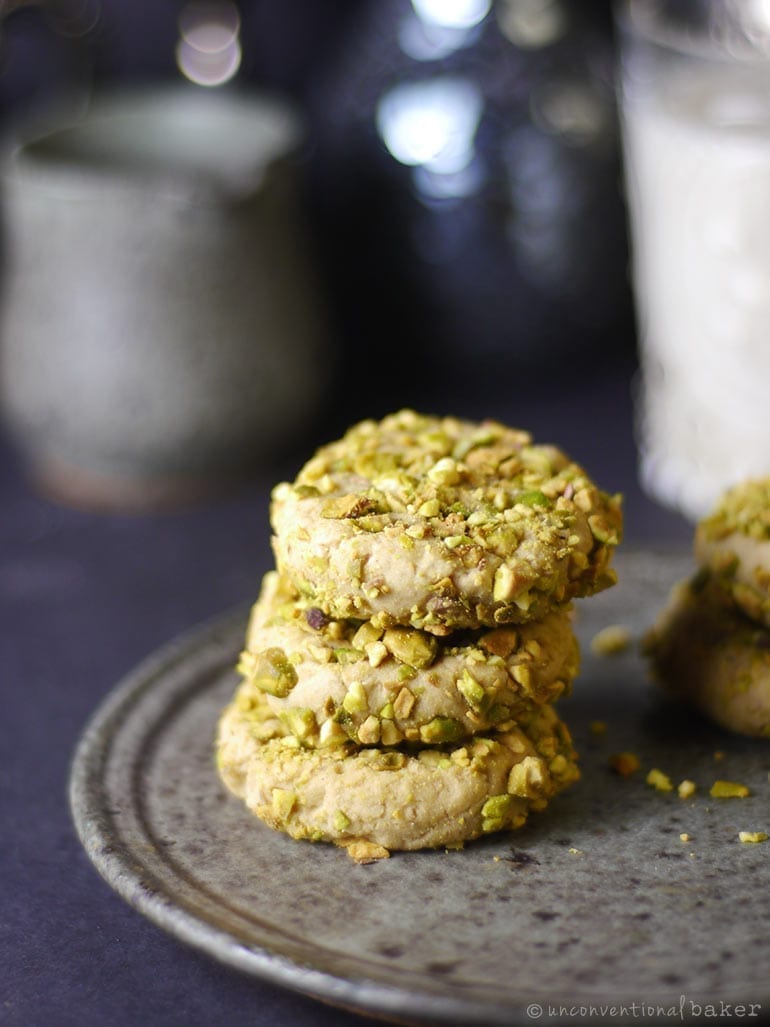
734, 543
705, 651
374, 800
334, 680
443, 524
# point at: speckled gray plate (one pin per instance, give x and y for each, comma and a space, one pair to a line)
596, 903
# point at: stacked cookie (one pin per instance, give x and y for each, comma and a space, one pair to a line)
711, 643
403, 658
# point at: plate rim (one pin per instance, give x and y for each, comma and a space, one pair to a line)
118, 866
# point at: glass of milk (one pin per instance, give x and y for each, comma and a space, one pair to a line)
694, 84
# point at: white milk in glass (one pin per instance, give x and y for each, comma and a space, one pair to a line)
697, 155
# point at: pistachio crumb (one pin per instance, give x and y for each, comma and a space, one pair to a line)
624, 763
389, 733
528, 778
445, 472
341, 821
366, 852
471, 690
728, 790
300, 721
331, 733
684, 837
522, 675
440, 729
376, 653
366, 634
411, 646
496, 805
610, 641
686, 788
504, 584
403, 704
369, 731
355, 700
283, 802
575, 852
658, 780
270, 670
752, 836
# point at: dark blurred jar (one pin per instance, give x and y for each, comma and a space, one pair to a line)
467, 190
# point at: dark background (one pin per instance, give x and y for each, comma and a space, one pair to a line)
522, 284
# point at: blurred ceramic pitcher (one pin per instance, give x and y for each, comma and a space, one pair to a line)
162, 326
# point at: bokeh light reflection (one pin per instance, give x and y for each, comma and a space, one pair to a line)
209, 50
431, 126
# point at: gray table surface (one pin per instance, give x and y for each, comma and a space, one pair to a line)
84, 596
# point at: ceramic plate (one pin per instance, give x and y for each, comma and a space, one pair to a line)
596, 909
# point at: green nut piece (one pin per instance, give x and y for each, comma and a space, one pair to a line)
441, 729
473, 692
341, 821
270, 671
344, 654
300, 721
496, 806
365, 635
411, 646
534, 497
338, 507
355, 700
283, 803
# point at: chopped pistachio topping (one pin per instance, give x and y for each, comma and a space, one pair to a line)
269, 670
504, 587
283, 803
403, 704
686, 789
366, 634
473, 692
341, 821
476, 488
445, 471
728, 790
497, 805
331, 733
500, 642
347, 654
366, 852
534, 497
752, 837
411, 646
522, 675
389, 733
610, 641
440, 729
369, 731
376, 653
660, 781
527, 778
743, 509
300, 721
347, 506
355, 700
624, 763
